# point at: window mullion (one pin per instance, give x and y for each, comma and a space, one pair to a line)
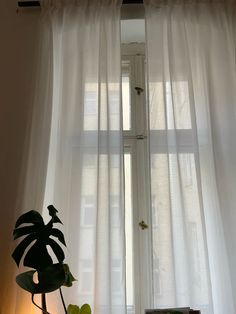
135, 140
143, 190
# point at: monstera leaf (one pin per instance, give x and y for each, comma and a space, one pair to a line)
69, 278
49, 279
38, 235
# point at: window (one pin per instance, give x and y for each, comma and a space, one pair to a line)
149, 266
136, 176
87, 211
90, 103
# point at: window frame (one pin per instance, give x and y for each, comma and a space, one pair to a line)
136, 143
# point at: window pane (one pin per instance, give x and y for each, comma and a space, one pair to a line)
126, 104
178, 237
101, 106
129, 233
170, 106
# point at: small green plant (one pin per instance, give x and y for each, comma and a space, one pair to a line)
74, 309
50, 276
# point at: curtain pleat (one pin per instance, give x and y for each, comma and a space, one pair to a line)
76, 151
191, 86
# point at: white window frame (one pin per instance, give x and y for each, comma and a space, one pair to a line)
136, 143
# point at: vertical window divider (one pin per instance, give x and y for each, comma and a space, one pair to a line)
136, 144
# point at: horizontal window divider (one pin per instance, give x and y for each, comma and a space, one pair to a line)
172, 150
135, 137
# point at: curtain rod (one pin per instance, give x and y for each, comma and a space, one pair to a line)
28, 4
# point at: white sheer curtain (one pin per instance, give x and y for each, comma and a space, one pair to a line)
192, 117
84, 178
76, 159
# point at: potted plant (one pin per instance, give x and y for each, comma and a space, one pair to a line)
51, 276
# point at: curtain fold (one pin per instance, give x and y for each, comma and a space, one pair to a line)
192, 98
85, 173
76, 151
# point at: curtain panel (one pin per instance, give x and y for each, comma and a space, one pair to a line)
192, 107
76, 153
85, 172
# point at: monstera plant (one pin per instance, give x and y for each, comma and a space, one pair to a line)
34, 247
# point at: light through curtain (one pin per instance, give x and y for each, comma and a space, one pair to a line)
85, 171
84, 155
192, 106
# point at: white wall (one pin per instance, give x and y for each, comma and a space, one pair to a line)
18, 36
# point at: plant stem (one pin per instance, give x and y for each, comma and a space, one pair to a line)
44, 305
43, 310
62, 300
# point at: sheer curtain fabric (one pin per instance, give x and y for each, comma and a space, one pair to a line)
192, 110
82, 162
85, 178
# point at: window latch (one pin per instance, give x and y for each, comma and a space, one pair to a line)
139, 90
143, 225
141, 137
